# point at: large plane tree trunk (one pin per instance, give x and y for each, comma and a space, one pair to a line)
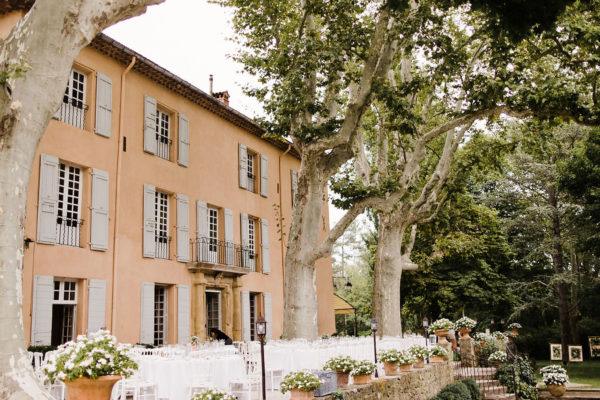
37, 57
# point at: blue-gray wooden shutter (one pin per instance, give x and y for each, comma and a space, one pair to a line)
183, 314
245, 297
48, 199
267, 302
103, 104
265, 255
229, 241
264, 175
294, 178
99, 224
202, 230
183, 139
147, 314
243, 165
183, 228
96, 305
150, 125
149, 241
41, 317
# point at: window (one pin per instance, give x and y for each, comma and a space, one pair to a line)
163, 141
251, 244
253, 315
160, 315
73, 107
68, 222
213, 234
251, 167
63, 311
161, 227
213, 311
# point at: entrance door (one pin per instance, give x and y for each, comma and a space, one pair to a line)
63, 311
213, 311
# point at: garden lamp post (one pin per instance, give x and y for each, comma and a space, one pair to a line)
374, 326
261, 331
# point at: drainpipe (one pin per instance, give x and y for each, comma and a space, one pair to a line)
113, 313
281, 235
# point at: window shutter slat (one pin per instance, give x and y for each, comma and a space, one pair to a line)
150, 125
243, 165
48, 200
103, 104
183, 228
99, 230
41, 318
183, 314
264, 176
268, 314
149, 222
96, 305
264, 237
147, 314
245, 316
183, 140
230, 252
294, 176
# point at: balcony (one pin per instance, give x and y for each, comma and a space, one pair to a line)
68, 231
211, 255
72, 112
161, 249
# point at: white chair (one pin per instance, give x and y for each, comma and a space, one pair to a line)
57, 389
135, 389
273, 379
245, 387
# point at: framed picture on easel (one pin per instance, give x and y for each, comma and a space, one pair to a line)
555, 352
575, 354
594, 346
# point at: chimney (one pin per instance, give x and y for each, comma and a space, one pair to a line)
210, 86
223, 97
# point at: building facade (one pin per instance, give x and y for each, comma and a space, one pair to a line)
154, 211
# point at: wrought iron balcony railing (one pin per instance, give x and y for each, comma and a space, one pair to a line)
212, 251
68, 231
72, 113
162, 246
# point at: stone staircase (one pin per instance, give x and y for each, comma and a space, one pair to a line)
490, 388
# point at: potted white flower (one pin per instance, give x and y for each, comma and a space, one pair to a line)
464, 326
555, 378
406, 360
390, 360
213, 394
342, 365
90, 366
514, 327
361, 373
420, 353
437, 354
441, 327
498, 357
301, 385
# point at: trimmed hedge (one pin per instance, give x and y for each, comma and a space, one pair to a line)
473, 389
465, 389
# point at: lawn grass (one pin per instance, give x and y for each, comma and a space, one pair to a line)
586, 373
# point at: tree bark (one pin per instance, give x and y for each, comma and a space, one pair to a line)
45, 42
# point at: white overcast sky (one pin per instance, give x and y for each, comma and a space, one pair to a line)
190, 38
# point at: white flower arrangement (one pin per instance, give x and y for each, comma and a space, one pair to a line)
214, 394
341, 364
437, 351
303, 381
90, 357
498, 356
515, 325
555, 378
419, 351
405, 357
363, 368
440, 324
553, 368
195, 339
390, 356
499, 335
465, 323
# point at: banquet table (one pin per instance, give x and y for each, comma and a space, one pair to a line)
174, 376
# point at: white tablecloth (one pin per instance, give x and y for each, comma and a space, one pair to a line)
174, 376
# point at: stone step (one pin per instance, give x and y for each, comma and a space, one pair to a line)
499, 396
487, 382
493, 389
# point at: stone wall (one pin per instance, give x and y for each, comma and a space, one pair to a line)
419, 384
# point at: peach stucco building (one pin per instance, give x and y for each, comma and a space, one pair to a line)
153, 209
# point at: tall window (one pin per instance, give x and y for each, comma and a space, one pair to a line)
213, 234
161, 229
213, 310
68, 220
160, 315
72, 109
63, 311
253, 315
162, 134
252, 244
251, 172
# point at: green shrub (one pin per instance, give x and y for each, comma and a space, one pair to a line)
455, 391
473, 388
523, 372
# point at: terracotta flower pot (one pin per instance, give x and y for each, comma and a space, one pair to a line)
362, 379
405, 367
91, 389
442, 333
557, 390
297, 394
465, 333
342, 379
515, 332
436, 359
390, 368
420, 363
